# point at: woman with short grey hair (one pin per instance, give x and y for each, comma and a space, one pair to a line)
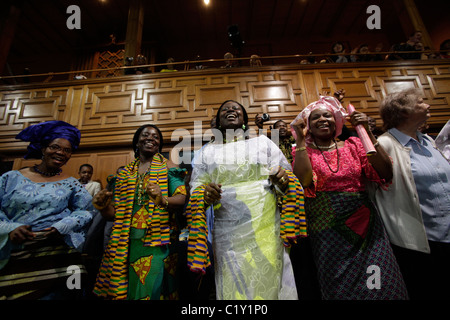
416, 207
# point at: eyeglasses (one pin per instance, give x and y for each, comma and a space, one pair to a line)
55, 147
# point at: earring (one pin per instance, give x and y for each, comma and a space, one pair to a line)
243, 127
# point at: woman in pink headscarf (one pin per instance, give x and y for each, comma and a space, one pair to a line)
351, 251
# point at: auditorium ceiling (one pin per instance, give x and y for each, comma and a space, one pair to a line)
42, 29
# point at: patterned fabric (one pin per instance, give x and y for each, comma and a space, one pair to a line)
348, 238
64, 205
44, 132
292, 223
346, 233
326, 102
353, 165
293, 220
286, 148
148, 224
198, 257
37, 268
250, 232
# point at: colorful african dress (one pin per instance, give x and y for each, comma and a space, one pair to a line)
140, 260
286, 147
251, 232
351, 249
38, 268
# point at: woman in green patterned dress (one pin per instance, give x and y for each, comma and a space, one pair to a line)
140, 260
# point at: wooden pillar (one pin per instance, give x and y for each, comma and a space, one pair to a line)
7, 31
135, 24
417, 22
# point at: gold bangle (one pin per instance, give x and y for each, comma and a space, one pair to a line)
99, 207
164, 205
300, 149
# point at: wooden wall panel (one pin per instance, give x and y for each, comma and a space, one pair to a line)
109, 110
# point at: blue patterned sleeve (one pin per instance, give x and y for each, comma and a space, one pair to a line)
6, 225
74, 225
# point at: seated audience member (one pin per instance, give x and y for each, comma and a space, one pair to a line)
410, 45
141, 61
170, 67
363, 54
310, 59
338, 48
85, 172
229, 63
445, 49
199, 65
416, 208
255, 61
44, 215
128, 63
378, 56
423, 55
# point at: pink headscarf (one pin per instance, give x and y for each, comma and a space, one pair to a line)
331, 104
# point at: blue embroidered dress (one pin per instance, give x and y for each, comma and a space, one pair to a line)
65, 205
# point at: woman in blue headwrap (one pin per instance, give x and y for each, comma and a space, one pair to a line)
44, 214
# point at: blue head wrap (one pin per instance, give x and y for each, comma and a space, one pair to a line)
41, 134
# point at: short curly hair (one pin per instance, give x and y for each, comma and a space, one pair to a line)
396, 105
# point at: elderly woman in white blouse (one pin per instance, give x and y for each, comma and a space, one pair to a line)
416, 207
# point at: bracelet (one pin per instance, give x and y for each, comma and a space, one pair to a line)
100, 207
165, 205
376, 144
300, 149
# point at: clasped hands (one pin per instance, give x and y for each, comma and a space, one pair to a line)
103, 198
24, 233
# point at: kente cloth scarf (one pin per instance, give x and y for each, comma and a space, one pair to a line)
292, 222
112, 280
